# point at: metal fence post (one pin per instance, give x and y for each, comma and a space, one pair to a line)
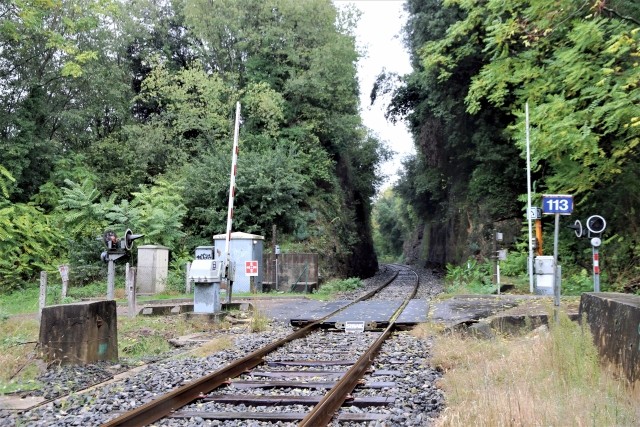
111, 279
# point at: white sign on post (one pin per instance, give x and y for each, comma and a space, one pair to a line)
535, 213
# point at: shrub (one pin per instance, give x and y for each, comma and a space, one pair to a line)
515, 264
339, 285
473, 277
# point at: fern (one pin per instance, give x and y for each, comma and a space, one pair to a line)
5, 176
28, 243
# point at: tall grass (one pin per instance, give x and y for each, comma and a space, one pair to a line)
546, 378
259, 321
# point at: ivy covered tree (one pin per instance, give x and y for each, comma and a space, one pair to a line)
575, 63
466, 177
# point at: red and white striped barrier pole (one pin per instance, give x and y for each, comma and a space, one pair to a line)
596, 270
232, 193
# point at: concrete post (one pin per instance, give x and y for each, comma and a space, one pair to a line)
43, 293
64, 274
187, 282
131, 290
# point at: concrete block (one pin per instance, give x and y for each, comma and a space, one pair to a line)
80, 333
481, 330
614, 320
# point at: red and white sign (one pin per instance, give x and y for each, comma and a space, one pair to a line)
251, 268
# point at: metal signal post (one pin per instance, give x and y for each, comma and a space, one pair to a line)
596, 225
557, 204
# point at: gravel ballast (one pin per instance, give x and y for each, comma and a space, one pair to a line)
417, 400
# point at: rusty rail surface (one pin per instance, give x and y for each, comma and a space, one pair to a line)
164, 405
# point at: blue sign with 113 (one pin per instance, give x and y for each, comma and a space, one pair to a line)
557, 204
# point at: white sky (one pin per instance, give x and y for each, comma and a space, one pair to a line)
379, 35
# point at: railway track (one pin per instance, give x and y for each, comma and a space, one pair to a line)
312, 377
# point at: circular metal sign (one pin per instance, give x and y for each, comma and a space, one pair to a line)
577, 228
596, 224
596, 242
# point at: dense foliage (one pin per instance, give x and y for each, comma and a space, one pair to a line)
119, 114
477, 62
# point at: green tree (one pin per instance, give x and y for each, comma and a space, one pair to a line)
44, 47
305, 66
467, 174
157, 211
391, 224
576, 66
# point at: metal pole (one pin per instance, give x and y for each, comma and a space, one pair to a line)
232, 193
495, 258
556, 293
43, 293
111, 278
530, 259
556, 281
596, 270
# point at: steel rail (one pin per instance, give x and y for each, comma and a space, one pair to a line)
325, 410
167, 403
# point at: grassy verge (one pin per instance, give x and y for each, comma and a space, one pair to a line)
17, 354
547, 377
26, 300
142, 337
139, 339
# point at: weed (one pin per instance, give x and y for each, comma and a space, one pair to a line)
143, 346
213, 346
515, 264
20, 301
259, 322
546, 377
334, 286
